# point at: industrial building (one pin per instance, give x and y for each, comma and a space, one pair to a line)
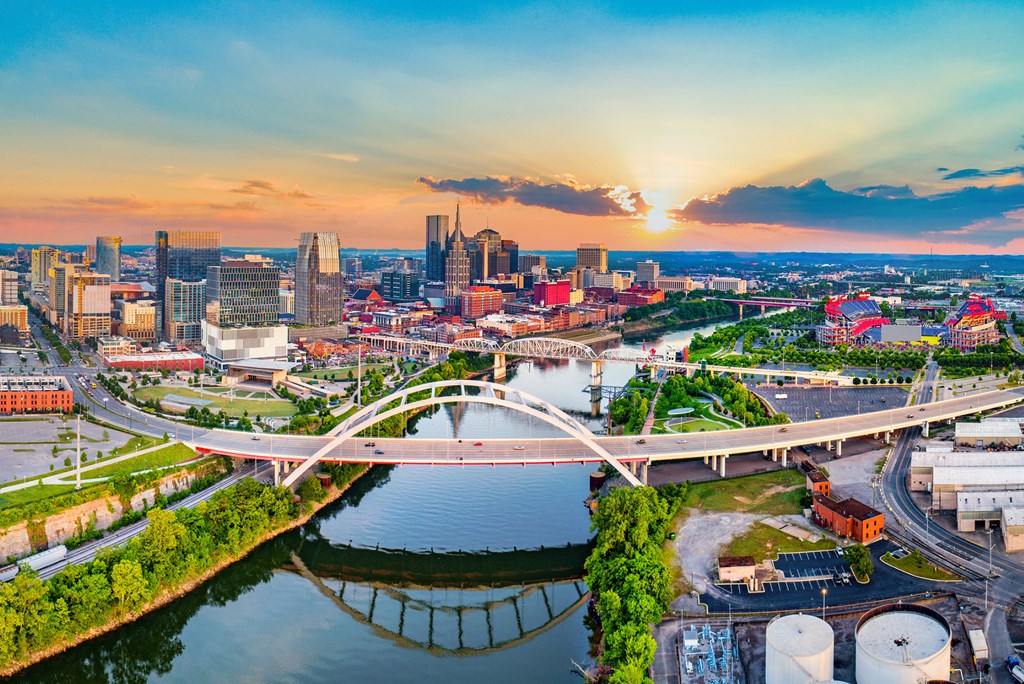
35, 394
988, 433
736, 568
924, 463
848, 518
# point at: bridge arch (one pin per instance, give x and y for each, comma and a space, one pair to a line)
627, 354
550, 347
477, 344
510, 398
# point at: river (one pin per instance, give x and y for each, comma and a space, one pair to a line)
414, 575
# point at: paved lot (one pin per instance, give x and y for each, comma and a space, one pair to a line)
885, 583
26, 446
694, 469
802, 402
10, 364
812, 563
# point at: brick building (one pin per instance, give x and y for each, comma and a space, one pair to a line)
35, 394
849, 518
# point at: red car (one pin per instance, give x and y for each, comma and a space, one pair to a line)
478, 443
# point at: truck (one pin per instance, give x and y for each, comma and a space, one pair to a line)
1014, 667
979, 645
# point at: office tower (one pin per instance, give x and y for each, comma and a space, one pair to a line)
477, 301
511, 247
73, 257
592, 255
456, 267
398, 285
137, 319
352, 266
318, 280
183, 255
184, 305
42, 259
437, 238
8, 288
88, 312
108, 256
59, 290
483, 251
90, 254
528, 261
243, 291
551, 292
647, 272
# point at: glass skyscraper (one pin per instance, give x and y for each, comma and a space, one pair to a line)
108, 256
318, 280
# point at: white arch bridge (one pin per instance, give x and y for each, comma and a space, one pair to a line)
457, 392
556, 348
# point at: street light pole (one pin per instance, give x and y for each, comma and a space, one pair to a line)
989, 576
823, 592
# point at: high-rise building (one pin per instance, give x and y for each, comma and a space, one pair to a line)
8, 288
528, 261
592, 255
352, 266
243, 291
551, 292
437, 238
42, 259
183, 255
88, 312
483, 251
456, 267
59, 290
647, 272
184, 307
108, 256
13, 324
318, 280
138, 319
89, 254
398, 285
511, 247
477, 301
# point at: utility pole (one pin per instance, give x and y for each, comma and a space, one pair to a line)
78, 454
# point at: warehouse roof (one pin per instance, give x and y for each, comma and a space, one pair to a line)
973, 476
998, 428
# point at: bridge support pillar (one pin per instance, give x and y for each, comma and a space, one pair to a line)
721, 465
828, 445
924, 429
785, 458
775, 455
277, 473
888, 436
839, 448
654, 373
643, 472
714, 461
499, 367
596, 373
741, 311
705, 459
763, 309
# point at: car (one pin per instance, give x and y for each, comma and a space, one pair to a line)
817, 414
783, 429
255, 438
478, 443
681, 441
370, 444
910, 415
518, 447
641, 441
920, 409
378, 452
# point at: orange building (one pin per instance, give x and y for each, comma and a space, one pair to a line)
849, 518
479, 301
35, 394
817, 483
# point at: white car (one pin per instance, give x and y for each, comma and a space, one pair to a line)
518, 447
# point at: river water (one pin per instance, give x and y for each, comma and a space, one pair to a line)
415, 575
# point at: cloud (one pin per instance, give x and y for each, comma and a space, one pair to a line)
103, 203
242, 205
894, 212
265, 188
978, 173
340, 156
567, 195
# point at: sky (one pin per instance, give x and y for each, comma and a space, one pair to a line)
806, 126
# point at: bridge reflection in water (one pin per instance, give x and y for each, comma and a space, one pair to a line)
448, 603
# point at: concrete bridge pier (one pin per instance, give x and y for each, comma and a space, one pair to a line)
277, 473
888, 436
828, 445
643, 471
785, 458
721, 465
705, 459
499, 367
775, 455
596, 373
714, 461
924, 429
763, 309
839, 448
740, 306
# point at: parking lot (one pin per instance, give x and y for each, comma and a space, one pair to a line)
886, 582
803, 403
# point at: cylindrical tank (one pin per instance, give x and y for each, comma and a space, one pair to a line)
902, 644
597, 479
798, 650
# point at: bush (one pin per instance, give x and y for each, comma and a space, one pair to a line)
311, 490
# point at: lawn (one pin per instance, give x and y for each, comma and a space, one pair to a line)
277, 408
775, 493
699, 425
20, 497
342, 372
916, 565
762, 541
169, 455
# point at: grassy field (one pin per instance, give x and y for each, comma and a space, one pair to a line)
169, 455
341, 373
698, 425
20, 497
919, 567
762, 541
277, 408
775, 493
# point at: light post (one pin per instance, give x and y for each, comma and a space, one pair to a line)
823, 592
927, 526
989, 576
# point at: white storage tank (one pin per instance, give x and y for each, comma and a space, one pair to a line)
798, 650
902, 644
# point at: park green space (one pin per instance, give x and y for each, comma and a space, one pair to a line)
915, 564
764, 542
20, 497
776, 493
341, 372
276, 408
170, 455
694, 425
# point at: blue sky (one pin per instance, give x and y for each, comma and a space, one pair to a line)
271, 118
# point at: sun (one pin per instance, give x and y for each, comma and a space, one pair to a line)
658, 221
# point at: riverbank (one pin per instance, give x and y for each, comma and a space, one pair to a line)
588, 335
648, 326
172, 594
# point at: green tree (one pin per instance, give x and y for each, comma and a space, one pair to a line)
859, 559
127, 584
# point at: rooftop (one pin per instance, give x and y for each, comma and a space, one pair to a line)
257, 364
850, 508
736, 561
998, 428
34, 383
988, 501
962, 459
973, 476
1013, 517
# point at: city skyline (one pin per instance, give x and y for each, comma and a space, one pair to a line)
856, 129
